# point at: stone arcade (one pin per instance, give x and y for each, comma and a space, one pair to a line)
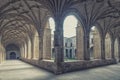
25, 32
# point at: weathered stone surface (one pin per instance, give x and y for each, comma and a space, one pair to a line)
70, 66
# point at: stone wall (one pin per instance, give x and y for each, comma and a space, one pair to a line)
97, 45
80, 65
47, 65
70, 66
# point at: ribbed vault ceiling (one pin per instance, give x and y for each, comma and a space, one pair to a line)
20, 19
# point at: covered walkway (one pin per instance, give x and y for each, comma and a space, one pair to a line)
17, 70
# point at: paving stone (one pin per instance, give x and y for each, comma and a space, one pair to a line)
18, 70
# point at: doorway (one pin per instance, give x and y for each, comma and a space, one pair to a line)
12, 55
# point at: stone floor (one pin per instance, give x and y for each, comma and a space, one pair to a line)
17, 70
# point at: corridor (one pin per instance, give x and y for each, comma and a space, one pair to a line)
18, 70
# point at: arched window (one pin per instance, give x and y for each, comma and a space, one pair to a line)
70, 31
65, 44
71, 53
67, 53
74, 33
71, 44
95, 43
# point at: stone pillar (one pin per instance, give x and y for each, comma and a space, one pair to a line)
27, 51
21, 51
58, 44
47, 44
102, 48
41, 45
3, 56
24, 51
112, 49
116, 47
108, 47
119, 48
97, 45
80, 43
40, 48
0, 53
86, 47
32, 48
0, 56
36, 48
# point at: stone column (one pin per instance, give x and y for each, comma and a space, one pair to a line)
37, 51
108, 47
29, 48
58, 44
27, 51
3, 56
40, 50
112, 49
86, 47
97, 45
0, 53
32, 48
79, 43
119, 48
21, 51
23, 54
102, 48
47, 44
41, 45
0, 56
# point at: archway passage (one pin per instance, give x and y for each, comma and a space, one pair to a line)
12, 52
13, 55
73, 39
69, 29
94, 43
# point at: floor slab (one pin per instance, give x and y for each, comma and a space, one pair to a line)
18, 70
